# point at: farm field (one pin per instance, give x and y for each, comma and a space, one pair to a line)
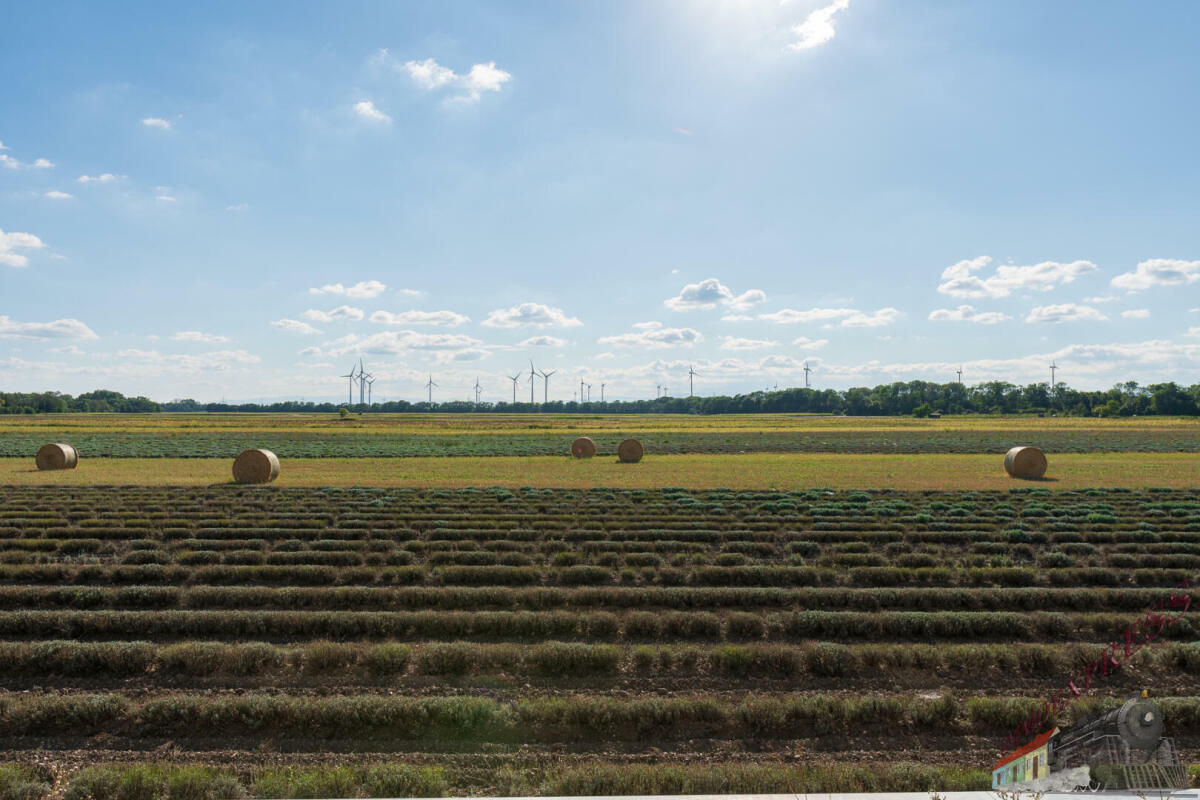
419, 641
753, 471
399, 435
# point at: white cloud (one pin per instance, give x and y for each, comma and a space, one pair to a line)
69, 350
410, 292
542, 341
959, 280
362, 289
861, 319
533, 315
1193, 331
339, 313
10, 243
198, 336
1158, 272
788, 316
186, 364
12, 163
738, 343
399, 342
55, 194
294, 326
104, 177
2, 147
429, 74
484, 78
1064, 312
604, 356
810, 344
367, 110
432, 76
1136, 313
447, 318
1108, 298
238, 207
817, 28
966, 313
654, 335
58, 329
709, 293
470, 354
157, 122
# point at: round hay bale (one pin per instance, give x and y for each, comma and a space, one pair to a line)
630, 451
256, 466
1025, 462
583, 447
57, 456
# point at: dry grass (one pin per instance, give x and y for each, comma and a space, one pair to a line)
752, 471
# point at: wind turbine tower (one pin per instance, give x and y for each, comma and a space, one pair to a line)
532, 375
691, 375
370, 382
477, 390
546, 385
589, 393
958, 372
430, 386
514, 379
1053, 367
602, 391
581, 390
350, 391
807, 369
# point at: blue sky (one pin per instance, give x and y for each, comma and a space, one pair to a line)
237, 201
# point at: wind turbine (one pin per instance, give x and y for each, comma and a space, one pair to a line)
589, 393
581, 390
602, 391
430, 386
958, 372
691, 375
546, 384
532, 375
350, 391
1053, 367
657, 390
807, 369
362, 383
370, 383
477, 390
514, 379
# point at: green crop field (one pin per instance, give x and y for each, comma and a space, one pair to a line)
400, 436
401, 641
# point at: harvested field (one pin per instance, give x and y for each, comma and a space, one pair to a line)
742, 472
550, 640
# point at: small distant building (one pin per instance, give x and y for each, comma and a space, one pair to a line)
1026, 763
935, 415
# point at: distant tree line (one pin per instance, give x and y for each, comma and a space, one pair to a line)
99, 401
911, 398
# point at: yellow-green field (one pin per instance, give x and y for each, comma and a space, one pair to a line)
751, 471
567, 424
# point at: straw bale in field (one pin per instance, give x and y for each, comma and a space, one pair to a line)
630, 451
57, 456
1025, 462
256, 466
583, 447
